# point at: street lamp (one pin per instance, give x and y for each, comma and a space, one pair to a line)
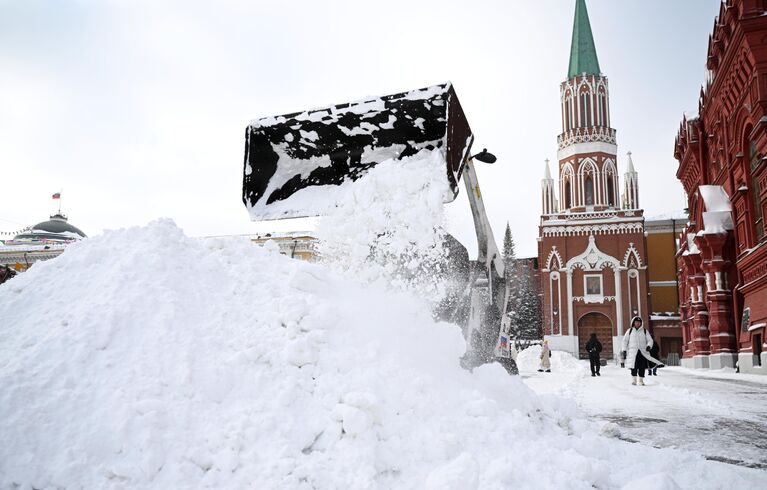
485, 157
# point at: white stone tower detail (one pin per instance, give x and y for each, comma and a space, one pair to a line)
548, 194
630, 186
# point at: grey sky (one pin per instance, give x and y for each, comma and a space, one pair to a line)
137, 109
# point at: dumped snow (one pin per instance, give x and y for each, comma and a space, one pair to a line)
389, 226
530, 359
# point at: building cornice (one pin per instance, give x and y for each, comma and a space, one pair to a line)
586, 147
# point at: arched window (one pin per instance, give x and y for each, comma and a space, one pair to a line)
610, 190
588, 187
602, 107
585, 104
568, 195
568, 110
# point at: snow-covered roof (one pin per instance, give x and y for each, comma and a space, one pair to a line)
676, 215
56, 229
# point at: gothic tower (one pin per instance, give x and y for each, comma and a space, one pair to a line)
587, 148
591, 244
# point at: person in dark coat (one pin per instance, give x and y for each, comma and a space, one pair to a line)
594, 348
652, 368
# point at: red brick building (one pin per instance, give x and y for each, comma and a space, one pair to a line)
591, 245
721, 153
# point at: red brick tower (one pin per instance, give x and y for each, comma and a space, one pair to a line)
591, 249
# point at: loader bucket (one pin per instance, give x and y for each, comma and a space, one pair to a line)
295, 164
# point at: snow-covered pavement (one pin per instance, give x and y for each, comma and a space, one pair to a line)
716, 414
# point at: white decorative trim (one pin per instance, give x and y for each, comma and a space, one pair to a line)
593, 259
569, 302
595, 217
629, 251
586, 148
606, 229
554, 253
633, 279
586, 135
555, 314
567, 173
602, 299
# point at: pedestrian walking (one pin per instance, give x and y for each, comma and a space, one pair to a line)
652, 367
636, 349
545, 358
594, 348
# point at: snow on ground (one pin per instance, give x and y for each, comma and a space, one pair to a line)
143, 358
717, 414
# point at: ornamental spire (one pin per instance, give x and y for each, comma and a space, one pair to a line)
548, 195
583, 52
630, 186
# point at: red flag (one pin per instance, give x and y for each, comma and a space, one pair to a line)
57, 195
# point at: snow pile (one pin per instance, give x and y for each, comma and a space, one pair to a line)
178, 362
146, 359
530, 360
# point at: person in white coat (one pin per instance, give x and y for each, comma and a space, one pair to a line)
636, 350
545, 358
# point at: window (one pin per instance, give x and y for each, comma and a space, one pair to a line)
585, 109
593, 285
568, 195
602, 109
610, 190
757, 347
589, 191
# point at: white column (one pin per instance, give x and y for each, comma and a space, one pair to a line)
559, 304
569, 302
618, 302
598, 198
551, 302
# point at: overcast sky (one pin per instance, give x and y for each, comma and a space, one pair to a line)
137, 109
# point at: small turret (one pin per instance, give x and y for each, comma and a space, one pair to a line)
630, 186
548, 194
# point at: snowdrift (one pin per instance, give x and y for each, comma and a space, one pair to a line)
144, 358
183, 362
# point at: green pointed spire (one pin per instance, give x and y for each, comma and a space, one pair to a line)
583, 53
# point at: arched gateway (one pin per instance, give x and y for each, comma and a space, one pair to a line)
602, 326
